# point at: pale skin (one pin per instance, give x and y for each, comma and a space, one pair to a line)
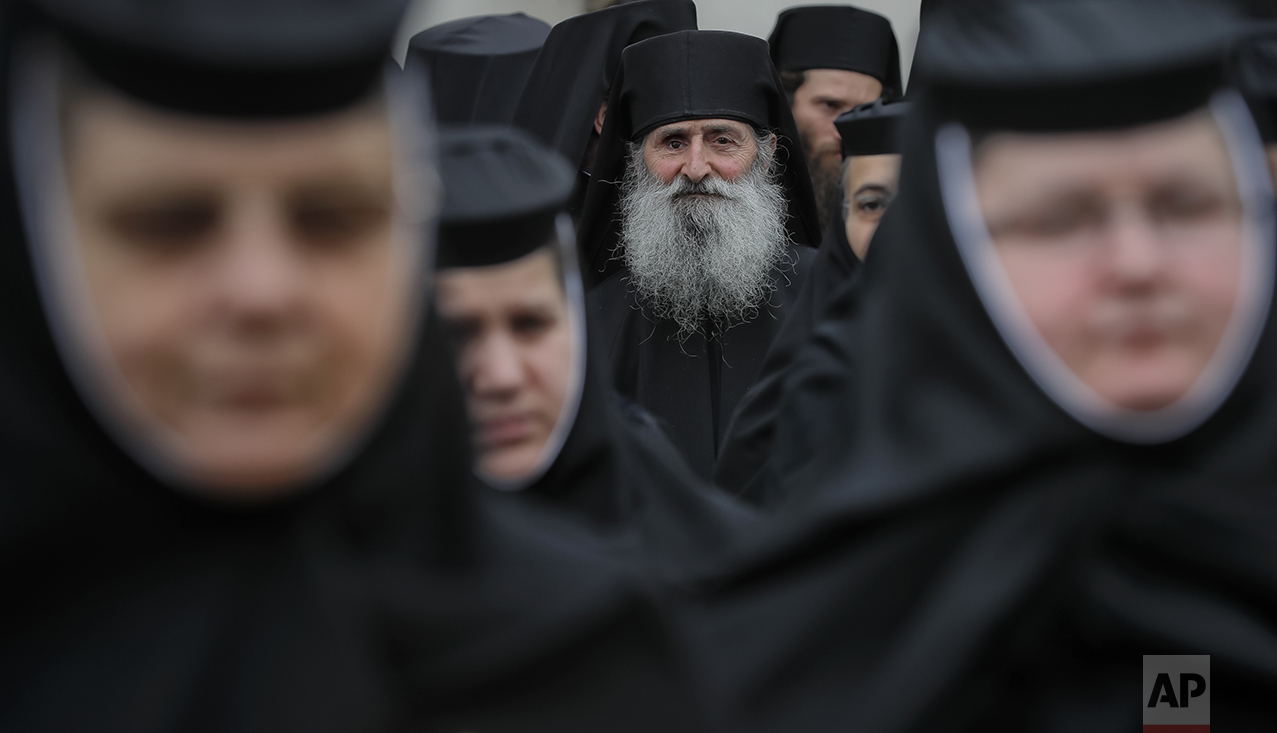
247, 279
870, 183
825, 94
695, 149
514, 356
1124, 247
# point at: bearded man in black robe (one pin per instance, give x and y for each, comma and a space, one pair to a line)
695, 228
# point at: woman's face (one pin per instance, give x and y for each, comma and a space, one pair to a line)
248, 280
515, 356
1124, 247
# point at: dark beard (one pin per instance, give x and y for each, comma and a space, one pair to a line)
826, 182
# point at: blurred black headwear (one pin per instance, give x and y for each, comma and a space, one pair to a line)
477, 66
872, 128
838, 37
1253, 68
503, 192
576, 65
235, 58
1064, 78
684, 76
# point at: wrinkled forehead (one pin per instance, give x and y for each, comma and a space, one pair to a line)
703, 126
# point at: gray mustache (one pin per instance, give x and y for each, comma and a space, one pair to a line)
683, 186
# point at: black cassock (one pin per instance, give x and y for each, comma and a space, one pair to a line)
692, 387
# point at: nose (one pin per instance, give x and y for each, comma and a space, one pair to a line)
1136, 252
495, 368
697, 164
261, 276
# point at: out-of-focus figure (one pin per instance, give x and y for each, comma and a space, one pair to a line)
870, 168
502, 289
695, 228
1253, 63
832, 58
1034, 441
564, 102
476, 67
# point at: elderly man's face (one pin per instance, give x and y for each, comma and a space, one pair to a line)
703, 222
1124, 247
246, 279
515, 352
695, 149
870, 184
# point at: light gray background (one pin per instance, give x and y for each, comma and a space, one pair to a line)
755, 17
1198, 710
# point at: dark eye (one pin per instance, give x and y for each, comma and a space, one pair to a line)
724, 141
1183, 204
872, 205
168, 226
336, 222
530, 325
675, 144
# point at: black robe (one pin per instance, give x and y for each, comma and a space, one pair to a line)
956, 552
693, 387
747, 443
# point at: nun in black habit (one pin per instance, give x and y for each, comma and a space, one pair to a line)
868, 130
477, 66
665, 350
573, 73
158, 585
545, 424
972, 543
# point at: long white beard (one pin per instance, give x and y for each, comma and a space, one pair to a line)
700, 260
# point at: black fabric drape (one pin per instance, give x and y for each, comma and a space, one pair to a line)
955, 551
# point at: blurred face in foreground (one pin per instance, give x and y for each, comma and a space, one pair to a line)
515, 353
1124, 247
246, 278
871, 183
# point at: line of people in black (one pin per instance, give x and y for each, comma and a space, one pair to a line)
624, 376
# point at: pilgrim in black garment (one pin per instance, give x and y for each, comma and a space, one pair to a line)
980, 537
477, 66
697, 229
197, 543
832, 58
871, 163
562, 100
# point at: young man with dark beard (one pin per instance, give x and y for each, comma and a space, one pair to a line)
695, 228
832, 58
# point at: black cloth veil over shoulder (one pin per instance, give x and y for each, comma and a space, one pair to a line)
391, 593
